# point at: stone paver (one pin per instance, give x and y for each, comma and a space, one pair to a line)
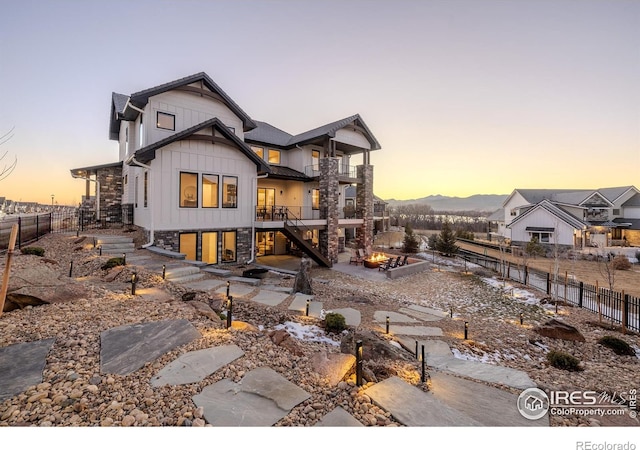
352, 317
204, 285
262, 398
418, 330
338, 417
394, 317
413, 407
236, 290
299, 303
127, 348
21, 366
195, 366
269, 298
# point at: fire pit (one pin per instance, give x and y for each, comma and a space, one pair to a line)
374, 261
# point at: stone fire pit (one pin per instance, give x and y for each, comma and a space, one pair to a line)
374, 261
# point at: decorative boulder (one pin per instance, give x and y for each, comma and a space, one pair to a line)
556, 329
302, 282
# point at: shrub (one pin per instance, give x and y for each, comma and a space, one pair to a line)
564, 361
334, 322
621, 262
618, 346
38, 251
113, 262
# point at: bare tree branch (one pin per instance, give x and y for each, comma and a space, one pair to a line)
8, 167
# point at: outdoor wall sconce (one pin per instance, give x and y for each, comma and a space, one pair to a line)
281, 192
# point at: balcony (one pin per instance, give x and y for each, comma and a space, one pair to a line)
281, 214
346, 173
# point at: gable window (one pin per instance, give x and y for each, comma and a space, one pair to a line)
258, 151
188, 190
315, 199
166, 121
209, 191
146, 188
274, 156
229, 192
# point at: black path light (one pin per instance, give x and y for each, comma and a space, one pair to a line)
387, 328
306, 311
70, 268
451, 311
416, 349
228, 285
94, 242
164, 271
134, 280
124, 259
359, 363
100, 250
424, 364
521, 318
466, 330
229, 311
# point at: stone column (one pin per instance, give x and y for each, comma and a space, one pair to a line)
364, 207
329, 189
110, 182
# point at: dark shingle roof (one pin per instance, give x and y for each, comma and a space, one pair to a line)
554, 210
633, 201
268, 134
148, 153
287, 173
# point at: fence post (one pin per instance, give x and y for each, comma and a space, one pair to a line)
625, 312
51, 222
526, 275
580, 293
37, 227
548, 283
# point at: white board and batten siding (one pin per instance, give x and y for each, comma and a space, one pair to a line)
351, 137
202, 158
543, 219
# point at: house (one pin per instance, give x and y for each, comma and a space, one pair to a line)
203, 178
571, 218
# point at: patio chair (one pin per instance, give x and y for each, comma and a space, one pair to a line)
361, 253
385, 265
404, 261
355, 258
394, 262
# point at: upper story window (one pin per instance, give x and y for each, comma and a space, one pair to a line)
229, 192
209, 191
188, 190
126, 139
274, 156
258, 151
166, 121
315, 159
315, 199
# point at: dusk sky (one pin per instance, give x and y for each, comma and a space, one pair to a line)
465, 97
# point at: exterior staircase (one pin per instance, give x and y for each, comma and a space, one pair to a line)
115, 245
184, 274
294, 233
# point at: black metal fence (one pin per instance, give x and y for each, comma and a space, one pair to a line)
615, 306
33, 227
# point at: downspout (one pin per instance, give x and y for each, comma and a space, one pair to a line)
133, 160
253, 221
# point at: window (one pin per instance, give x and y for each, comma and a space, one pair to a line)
166, 121
315, 199
209, 191
188, 242
229, 192
126, 140
141, 131
274, 156
232, 129
542, 237
228, 246
315, 159
188, 190
258, 151
146, 188
210, 247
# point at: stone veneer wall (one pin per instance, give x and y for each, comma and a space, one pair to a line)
364, 202
170, 240
329, 190
110, 182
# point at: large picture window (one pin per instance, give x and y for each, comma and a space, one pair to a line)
315, 199
188, 190
209, 191
188, 244
229, 192
166, 121
228, 246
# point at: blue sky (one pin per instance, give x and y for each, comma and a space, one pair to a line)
465, 97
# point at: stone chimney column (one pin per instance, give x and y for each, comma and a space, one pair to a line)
364, 207
329, 189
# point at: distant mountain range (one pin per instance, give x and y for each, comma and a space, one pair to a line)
479, 202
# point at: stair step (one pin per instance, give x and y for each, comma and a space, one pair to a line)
219, 272
113, 240
181, 272
186, 278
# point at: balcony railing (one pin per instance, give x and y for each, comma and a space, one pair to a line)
344, 170
282, 213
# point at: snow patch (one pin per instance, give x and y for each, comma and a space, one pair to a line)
310, 333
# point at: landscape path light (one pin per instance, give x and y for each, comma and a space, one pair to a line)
387, 328
466, 330
134, 280
424, 363
124, 259
306, 312
521, 318
228, 284
359, 363
229, 311
70, 268
164, 271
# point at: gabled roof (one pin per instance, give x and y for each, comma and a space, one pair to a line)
633, 201
330, 131
86, 171
118, 106
148, 153
613, 193
571, 196
561, 214
141, 98
268, 134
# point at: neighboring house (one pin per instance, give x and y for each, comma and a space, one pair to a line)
572, 218
204, 179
